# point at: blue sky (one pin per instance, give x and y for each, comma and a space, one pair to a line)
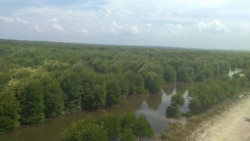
204, 24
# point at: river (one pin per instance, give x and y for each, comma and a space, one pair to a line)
152, 106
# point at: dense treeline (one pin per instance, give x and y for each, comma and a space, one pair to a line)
205, 94
109, 128
41, 80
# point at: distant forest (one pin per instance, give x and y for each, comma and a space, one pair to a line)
40, 80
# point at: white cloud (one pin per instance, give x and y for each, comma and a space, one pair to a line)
113, 28
54, 20
175, 28
205, 3
84, 30
134, 29
22, 21
6, 19
37, 28
157, 21
212, 26
55, 25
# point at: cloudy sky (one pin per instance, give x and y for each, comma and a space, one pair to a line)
205, 24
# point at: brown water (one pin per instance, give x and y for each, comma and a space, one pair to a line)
152, 106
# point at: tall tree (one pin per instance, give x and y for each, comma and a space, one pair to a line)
9, 111
153, 83
169, 73
53, 96
113, 92
32, 102
70, 83
111, 123
85, 130
93, 92
143, 128
177, 99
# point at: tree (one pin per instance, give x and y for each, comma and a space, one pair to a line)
127, 135
113, 93
153, 83
111, 124
93, 93
169, 73
177, 99
124, 85
143, 128
85, 130
185, 73
9, 111
173, 111
32, 102
194, 105
70, 84
128, 121
53, 98
109, 127
136, 83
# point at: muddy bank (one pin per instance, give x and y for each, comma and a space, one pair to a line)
231, 125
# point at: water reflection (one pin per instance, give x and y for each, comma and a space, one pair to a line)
157, 116
235, 71
152, 106
185, 107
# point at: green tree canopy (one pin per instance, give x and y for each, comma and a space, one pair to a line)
9, 111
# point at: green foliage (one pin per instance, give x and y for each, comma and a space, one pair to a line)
49, 79
85, 130
153, 83
32, 102
142, 128
136, 83
173, 111
194, 105
9, 111
113, 92
127, 135
169, 73
124, 85
207, 93
128, 121
111, 123
185, 73
70, 85
109, 127
53, 96
4, 78
177, 99
93, 92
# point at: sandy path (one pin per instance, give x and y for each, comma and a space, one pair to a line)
231, 125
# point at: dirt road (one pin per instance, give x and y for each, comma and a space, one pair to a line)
231, 125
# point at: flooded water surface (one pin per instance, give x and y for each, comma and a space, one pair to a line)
152, 106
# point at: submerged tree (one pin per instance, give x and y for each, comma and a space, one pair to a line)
173, 111
9, 111
85, 130
143, 128
109, 128
177, 99
113, 93
153, 82
32, 102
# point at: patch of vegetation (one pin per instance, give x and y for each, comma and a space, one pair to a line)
109, 128
42, 80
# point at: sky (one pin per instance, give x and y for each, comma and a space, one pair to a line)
201, 24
